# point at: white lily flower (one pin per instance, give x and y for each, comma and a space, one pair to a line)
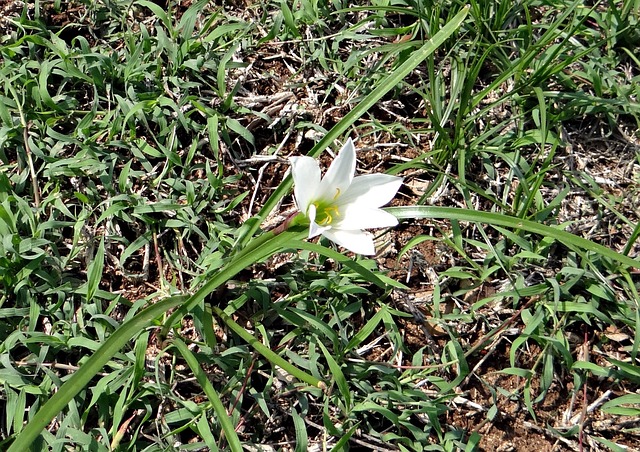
339, 206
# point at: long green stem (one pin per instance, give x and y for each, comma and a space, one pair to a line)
265, 245
214, 399
267, 352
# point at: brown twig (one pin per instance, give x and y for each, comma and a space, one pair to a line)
241, 392
583, 414
32, 170
156, 249
482, 341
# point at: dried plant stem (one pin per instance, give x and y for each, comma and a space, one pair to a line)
583, 413
32, 170
156, 249
485, 339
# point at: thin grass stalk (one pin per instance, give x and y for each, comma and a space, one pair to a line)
214, 399
491, 218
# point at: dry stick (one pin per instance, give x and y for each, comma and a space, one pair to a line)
592, 407
145, 263
263, 167
481, 342
32, 170
255, 406
256, 188
482, 361
583, 414
371, 446
242, 389
156, 249
54, 365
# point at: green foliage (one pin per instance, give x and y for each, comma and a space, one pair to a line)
141, 308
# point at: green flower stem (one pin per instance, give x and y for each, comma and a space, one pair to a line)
266, 245
267, 352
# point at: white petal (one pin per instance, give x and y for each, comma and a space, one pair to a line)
314, 228
311, 213
371, 190
360, 242
340, 174
361, 217
306, 179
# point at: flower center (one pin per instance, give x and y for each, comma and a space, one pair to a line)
326, 213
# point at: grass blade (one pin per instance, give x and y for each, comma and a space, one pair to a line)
94, 273
266, 245
338, 376
491, 218
214, 399
93, 365
267, 352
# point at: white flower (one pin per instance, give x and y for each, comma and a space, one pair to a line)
339, 205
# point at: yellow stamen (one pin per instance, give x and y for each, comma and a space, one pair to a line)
325, 214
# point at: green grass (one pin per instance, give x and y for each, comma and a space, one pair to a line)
142, 155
